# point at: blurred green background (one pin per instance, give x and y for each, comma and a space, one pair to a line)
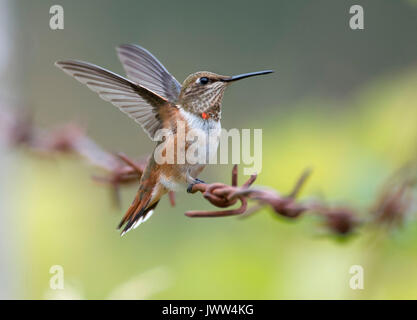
342, 101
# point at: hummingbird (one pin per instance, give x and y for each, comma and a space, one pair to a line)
153, 98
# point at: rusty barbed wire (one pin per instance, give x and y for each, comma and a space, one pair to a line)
395, 203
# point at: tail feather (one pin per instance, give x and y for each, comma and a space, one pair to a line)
138, 212
147, 197
133, 219
145, 216
129, 211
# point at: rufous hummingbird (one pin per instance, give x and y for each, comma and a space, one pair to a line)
156, 100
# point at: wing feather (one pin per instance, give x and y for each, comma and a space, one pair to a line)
140, 103
143, 68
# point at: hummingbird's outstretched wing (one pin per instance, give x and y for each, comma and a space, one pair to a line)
143, 68
141, 104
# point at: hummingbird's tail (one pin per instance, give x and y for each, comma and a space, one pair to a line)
146, 200
137, 213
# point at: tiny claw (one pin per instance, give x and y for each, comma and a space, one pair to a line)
191, 185
190, 188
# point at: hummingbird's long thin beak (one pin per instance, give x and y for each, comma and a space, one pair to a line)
247, 75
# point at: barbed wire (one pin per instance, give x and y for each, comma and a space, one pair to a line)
396, 202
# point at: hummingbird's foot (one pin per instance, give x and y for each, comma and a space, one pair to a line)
196, 181
190, 188
192, 181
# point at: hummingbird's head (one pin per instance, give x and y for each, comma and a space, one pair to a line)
203, 91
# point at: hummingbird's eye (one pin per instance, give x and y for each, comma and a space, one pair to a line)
203, 80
